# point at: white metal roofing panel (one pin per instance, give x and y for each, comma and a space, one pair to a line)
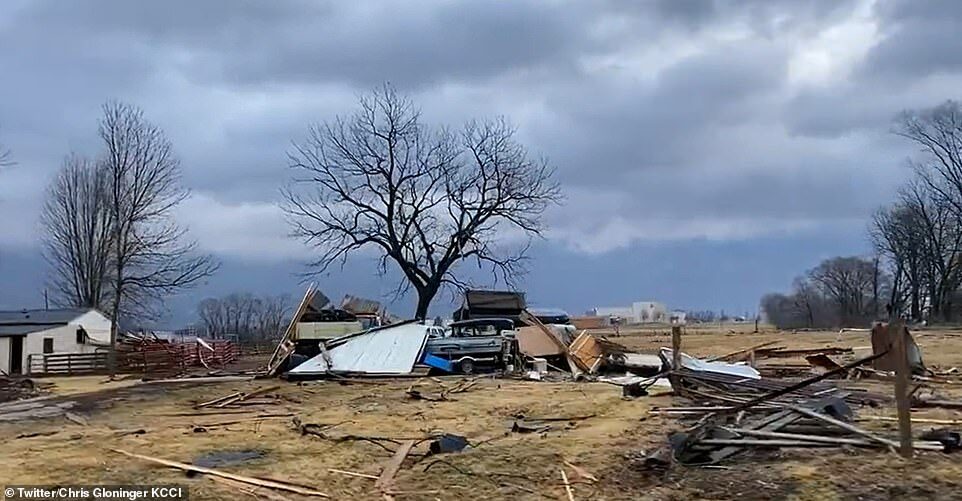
390, 350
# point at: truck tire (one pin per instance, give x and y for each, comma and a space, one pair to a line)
466, 366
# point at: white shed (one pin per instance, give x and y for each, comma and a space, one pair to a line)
69, 330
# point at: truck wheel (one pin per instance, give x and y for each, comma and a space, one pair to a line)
466, 366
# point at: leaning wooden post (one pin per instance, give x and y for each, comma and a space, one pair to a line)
896, 333
675, 347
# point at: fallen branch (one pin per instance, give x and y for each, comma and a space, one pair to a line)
223, 474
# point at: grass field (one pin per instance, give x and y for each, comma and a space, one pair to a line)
504, 466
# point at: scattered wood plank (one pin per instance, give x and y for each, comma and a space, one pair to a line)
260, 391
559, 418
845, 426
564, 478
393, 465
914, 420
217, 400
748, 442
806, 382
251, 490
947, 404
202, 380
581, 472
741, 352
352, 473
75, 418
802, 437
201, 413
37, 434
223, 474
247, 420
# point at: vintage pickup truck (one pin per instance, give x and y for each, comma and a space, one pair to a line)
471, 343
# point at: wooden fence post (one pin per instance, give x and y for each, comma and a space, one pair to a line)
896, 334
675, 347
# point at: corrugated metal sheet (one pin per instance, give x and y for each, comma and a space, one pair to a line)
390, 350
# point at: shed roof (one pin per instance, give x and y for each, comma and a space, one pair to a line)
58, 316
21, 330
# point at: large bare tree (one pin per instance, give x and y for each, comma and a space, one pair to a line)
110, 234
938, 131
424, 199
78, 234
926, 221
151, 255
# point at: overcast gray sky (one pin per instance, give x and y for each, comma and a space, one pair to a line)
709, 151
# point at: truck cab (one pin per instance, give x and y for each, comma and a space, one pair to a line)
471, 343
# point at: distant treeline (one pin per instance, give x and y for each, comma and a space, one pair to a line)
916, 271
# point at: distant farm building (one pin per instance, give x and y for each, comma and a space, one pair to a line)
36, 332
639, 312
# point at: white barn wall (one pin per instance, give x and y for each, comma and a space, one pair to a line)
96, 324
64, 341
5, 354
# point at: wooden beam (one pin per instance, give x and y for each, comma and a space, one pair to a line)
742, 351
393, 465
223, 474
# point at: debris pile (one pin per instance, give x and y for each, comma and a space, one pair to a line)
17, 388
734, 409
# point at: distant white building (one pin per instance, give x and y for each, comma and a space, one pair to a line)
638, 313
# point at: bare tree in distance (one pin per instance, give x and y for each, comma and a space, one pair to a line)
424, 199
151, 255
6, 157
848, 282
78, 236
251, 318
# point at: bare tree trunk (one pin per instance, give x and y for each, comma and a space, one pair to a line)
425, 296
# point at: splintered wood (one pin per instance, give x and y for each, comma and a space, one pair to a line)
734, 414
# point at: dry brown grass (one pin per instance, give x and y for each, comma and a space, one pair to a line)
506, 467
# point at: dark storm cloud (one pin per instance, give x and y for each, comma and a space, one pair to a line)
709, 98
359, 43
920, 38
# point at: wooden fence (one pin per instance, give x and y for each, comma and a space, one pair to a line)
153, 358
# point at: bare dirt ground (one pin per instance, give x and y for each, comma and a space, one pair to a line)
503, 465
